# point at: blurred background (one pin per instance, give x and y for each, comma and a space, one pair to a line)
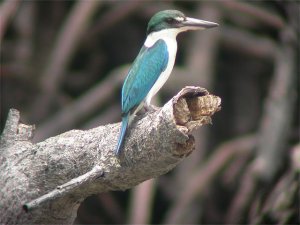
63, 64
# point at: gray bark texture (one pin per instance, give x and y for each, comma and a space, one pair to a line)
45, 182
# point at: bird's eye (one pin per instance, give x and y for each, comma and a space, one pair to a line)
171, 20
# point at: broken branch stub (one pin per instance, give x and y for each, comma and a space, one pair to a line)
194, 106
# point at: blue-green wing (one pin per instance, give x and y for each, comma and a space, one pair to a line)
146, 68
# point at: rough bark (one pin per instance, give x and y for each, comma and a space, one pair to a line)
46, 182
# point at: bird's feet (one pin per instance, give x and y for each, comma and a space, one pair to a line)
151, 108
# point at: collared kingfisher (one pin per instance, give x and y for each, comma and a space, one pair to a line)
154, 63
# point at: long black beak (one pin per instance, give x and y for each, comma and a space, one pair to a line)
195, 24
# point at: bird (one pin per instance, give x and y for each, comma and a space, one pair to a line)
154, 63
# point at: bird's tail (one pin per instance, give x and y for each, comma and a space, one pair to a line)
125, 120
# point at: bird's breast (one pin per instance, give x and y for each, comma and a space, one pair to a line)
172, 49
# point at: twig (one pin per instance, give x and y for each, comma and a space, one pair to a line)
65, 189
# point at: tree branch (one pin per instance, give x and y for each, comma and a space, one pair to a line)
62, 166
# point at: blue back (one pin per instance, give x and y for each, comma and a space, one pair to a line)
146, 68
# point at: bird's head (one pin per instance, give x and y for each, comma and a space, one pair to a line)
175, 19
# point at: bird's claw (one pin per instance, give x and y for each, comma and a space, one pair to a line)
151, 108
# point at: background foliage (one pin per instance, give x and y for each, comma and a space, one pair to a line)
62, 66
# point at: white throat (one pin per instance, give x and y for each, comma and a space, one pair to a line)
166, 34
